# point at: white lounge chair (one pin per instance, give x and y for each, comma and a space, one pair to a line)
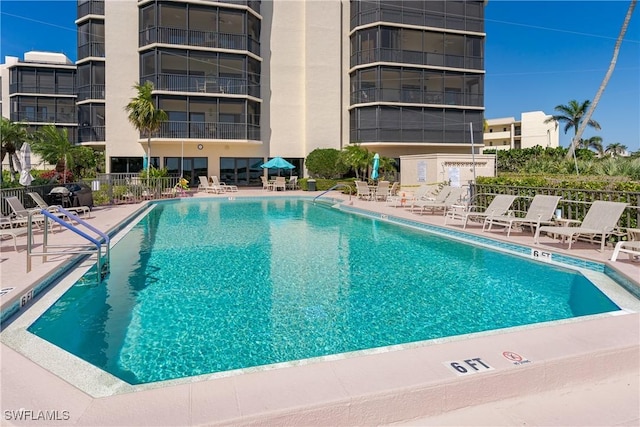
77, 210
416, 202
225, 188
13, 233
630, 247
206, 187
293, 183
540, 212
22, 214
456, 196
404, 198
600, 220
266, 185
499, 206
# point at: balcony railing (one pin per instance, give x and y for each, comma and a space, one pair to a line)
405, 16
48, 89
415, 96
198, 38
202, 84
90, 92
91, 134
415, 57
91, 7
32, 117
92, 49
209, 130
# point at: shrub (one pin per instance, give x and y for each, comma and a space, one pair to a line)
325, 163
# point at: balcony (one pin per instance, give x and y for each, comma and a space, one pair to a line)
415, 57
91, 134
202, 84
91, 7
415, 96
209, 130
92, 49
208, 39
43, 117
90, 92
15, 88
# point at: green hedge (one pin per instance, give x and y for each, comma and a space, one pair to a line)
602, 183
325, 184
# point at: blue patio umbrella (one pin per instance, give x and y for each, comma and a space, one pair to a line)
277, 163
376, 165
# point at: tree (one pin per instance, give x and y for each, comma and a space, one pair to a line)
325, 163
12, 135
358, 158
53, 146
616, 149
144, 115
607, 76
595, 143
572, 115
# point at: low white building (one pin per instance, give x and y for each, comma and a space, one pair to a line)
531, 130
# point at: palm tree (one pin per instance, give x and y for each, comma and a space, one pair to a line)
358, 158
616, 149
12, 135
53, 146
595, 143
605, 80
572, 115
144, 115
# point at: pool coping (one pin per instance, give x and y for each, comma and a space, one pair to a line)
344, 406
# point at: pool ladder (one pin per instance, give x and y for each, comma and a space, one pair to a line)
99, 245
333, 188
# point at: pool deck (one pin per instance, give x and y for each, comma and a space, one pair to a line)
580, 372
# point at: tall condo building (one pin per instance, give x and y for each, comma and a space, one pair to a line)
242, 80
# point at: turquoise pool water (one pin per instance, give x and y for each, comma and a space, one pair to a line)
202, 286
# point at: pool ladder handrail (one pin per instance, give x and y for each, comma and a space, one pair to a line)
333, 188
103, 242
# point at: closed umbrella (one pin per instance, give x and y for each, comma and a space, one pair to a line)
277, 163
376, 165
25, 171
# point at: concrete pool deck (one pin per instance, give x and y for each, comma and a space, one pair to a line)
579, 372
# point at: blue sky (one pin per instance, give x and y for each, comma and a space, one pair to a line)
538, 54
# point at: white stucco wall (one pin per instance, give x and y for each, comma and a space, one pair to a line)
430, 169
536, 132
121, 73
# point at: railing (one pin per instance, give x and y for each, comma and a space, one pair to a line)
211, 39
415, 57
427, 19
100, 243
415, 96
91, 134
121, 188
91, 7
201, 84
209, 130
91, 49
57, 89
51, 117
94, 91
334, 188
574, 203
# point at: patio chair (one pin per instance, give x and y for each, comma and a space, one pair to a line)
13, 233
225, 188
382, 191
499, 206
630, 247
540, 212
280, 183
206, 187
293, 183
21, 213
456, 196
403, 199
77, 210
394, 189
420, 198
363, 191
266, 185
600, 220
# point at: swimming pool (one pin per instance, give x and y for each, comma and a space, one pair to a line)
202, 286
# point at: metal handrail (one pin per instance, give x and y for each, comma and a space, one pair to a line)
333, 188
102, 267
